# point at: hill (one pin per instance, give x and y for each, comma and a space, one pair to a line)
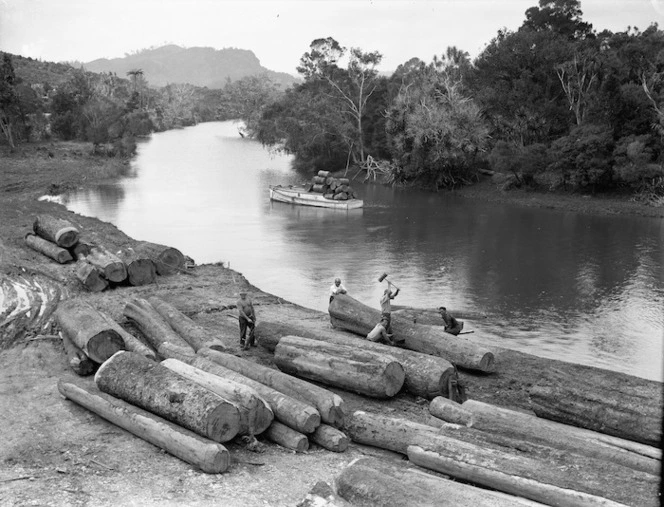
199, 66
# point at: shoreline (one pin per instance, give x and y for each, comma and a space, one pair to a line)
57, 454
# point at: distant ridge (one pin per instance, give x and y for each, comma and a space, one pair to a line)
200, 66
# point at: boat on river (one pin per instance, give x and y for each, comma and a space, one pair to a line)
300, 195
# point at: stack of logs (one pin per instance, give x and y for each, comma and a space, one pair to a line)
176, 387
97, 268
188, 382
338, 189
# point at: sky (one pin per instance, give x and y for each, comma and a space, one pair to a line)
280, 32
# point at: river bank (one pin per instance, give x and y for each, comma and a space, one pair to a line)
59, 454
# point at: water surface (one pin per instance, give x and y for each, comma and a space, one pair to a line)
586, 289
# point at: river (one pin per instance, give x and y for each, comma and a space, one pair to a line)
584, 289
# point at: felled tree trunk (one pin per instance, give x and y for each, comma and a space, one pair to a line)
56, 230
348, 313
517, 485
47, 248
329, 405
425, 375
371, 481
155, 329
131, 343
293, 413
287, 437
365, 372
210, 457
113, 269
80, 363
600, 400
194, 334
498, 420
167, 260
90, 276
80, 249
255, 413
330, 438
140, 269
155, 388
88, 329
538, 464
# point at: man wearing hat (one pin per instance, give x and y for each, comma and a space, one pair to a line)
247, 319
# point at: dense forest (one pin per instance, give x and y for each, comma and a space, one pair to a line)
554, 105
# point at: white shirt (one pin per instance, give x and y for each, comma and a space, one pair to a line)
334, 290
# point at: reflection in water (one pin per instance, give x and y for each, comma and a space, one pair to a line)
573, 287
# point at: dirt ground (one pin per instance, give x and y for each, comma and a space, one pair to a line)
54, 452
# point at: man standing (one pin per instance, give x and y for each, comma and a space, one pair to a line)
336, 288
247, 319
386, 306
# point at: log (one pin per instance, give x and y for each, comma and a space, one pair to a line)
140, 268
80, 363
131, 343
324, 174
287, 437
493, 419
153, 326
537, 463
167, 260
90, 276
255, 413
322, 495
450, 411
348, 313
80, 249
153, 387
330, 438
425, 375
194, 334
108, 263
520, 486
329, 405
319, 180
210, 457
365, 372
170, 351
318, 188
295, 414
609, 402
47, 248
371, 481
88, 329
56, 230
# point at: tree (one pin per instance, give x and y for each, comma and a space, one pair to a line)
246, 99
435, 130
560, 16
351, 87
9, 107
577, 78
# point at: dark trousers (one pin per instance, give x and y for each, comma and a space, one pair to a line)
244, 324
388, 326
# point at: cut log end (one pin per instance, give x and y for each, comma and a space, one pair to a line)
66, 237
104, 345
394, 378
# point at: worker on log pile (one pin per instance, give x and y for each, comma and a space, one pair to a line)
452, 325
247, 319
337, 288
386, 306
379, 333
